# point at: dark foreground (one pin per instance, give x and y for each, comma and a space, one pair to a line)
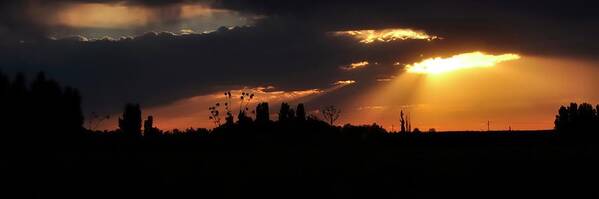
304, 163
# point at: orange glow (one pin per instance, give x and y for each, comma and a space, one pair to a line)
99, 15
386, 35
104, 15
192, 112
457, 62
520, 95
197, 10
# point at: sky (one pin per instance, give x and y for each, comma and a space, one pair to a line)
451, 65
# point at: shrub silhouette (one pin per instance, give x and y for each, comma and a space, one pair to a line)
215, 114
242, 117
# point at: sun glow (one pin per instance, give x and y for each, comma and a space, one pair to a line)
386, 35
462, 61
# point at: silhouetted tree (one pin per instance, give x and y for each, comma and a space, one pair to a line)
262, 113
4, 101
562, 119
41, 107
291, 115
4, 86
19, 86
45, 96
576, 120
72, 112
408, 123
330, 114
300, 112
284, 112
597, 116
405, 122
130, 123
402, 122
19, 102
149, 129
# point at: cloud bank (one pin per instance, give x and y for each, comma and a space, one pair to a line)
282, 43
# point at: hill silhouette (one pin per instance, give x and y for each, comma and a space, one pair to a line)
49, 154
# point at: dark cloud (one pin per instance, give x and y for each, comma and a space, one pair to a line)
158, 68
29, 19
535, 27
291, 47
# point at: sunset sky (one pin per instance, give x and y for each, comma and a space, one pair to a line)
452, 65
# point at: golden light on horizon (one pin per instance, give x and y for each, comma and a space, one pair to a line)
387, 35
476, 59
533, 87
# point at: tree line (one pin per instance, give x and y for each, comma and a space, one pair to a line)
577, 120
39, 105
43, 104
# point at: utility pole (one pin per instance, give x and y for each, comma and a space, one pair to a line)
488, 125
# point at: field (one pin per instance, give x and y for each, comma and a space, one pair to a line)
304, 164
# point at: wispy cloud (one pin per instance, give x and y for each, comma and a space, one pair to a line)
386, 35
356, 65
344, 82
